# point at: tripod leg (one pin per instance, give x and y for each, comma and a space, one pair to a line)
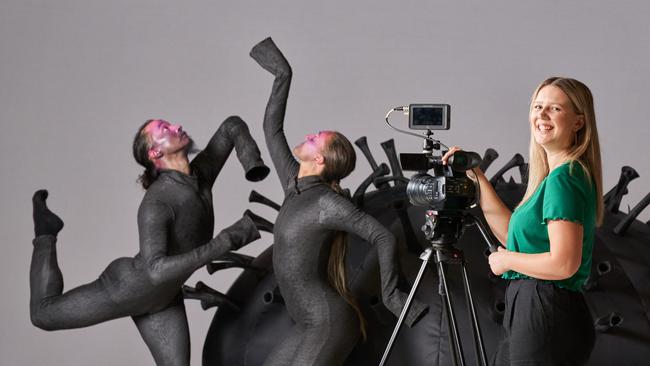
425, 259
481, 358
457, 350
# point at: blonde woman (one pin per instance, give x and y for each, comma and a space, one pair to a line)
549, 236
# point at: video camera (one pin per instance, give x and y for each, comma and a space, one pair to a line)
446, 193
448, 188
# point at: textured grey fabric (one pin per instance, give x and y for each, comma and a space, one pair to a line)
326, 327
176, 224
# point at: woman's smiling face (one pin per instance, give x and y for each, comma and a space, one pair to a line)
553, 119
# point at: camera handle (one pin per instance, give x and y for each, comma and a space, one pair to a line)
447, 254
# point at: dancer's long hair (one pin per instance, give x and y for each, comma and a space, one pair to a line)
586, 149
340, 160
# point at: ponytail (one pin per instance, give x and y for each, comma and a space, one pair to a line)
336, 272
147, 177
141, 148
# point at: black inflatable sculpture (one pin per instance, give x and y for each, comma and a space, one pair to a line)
618, 291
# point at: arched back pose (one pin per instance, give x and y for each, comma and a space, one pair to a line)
549, 236
175, 222
308, 255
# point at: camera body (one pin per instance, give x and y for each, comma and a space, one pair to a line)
448, 188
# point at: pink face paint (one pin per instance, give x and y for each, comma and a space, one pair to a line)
161, 130
313, 144
166, 139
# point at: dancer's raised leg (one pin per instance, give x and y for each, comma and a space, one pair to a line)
49, 308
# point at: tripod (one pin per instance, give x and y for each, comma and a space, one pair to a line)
442, 231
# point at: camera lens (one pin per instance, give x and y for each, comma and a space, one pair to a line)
425, 190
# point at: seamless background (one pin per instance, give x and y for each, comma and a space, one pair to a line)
77, 77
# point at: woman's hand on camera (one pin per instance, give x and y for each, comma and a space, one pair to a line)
449, 153
470, 173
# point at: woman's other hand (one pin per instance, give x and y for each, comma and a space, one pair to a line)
498, 261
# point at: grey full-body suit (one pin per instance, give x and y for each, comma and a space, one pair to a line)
175, 223
326, 327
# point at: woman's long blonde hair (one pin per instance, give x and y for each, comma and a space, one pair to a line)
340, 160
586, 149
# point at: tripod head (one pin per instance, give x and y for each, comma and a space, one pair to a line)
443, 229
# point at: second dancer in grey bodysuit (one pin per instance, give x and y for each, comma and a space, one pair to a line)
326, 327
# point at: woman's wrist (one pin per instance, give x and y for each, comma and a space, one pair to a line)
477, 175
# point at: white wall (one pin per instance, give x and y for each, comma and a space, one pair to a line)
77, 78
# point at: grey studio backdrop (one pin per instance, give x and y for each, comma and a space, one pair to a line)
78, 77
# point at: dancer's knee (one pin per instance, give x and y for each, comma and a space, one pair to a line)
42, 320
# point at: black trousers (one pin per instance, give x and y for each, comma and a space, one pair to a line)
544, 325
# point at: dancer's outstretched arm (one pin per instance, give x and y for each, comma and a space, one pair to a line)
233, 133
270, 58
154, 220
338, 213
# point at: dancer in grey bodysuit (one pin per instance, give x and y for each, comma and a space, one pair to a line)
326, 327
175, 222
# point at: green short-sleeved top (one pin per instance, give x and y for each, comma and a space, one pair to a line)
567, 193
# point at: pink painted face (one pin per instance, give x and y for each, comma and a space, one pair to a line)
166, 138
553, 120
313, 144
